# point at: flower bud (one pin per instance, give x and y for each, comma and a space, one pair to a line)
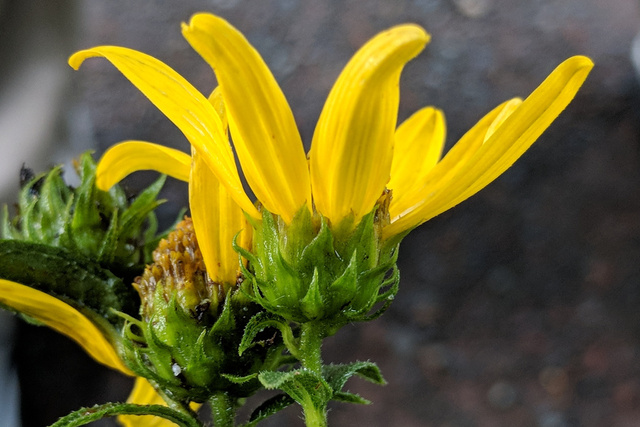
187, 342
178, 272
104, 226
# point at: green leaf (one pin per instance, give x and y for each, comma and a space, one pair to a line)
269, 407
239, 380
85, 416
304, 386
346, 397
337, 375
262, 321
70, 277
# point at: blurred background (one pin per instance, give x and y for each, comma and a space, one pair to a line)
517, 308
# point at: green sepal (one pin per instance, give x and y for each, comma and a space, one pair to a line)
269, 407
385, 297
192, 357
312, 304
86, 218
309, 270
226, 321
70, 277
302, 385
347, 284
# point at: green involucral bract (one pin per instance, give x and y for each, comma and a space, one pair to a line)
191, 360
103, 226
187, 341
311, 271
80, 245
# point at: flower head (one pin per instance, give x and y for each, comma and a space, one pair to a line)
361, 164
357, 151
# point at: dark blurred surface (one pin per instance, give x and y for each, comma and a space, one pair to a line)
516, 308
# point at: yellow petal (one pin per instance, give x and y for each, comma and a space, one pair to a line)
507, 109
352, 146
406, 211
144, 394
187, 108
506, 142
217, 101
262, 125
217, 219
63, 318
130, 156
419, 142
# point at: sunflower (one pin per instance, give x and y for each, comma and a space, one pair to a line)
361, 165
357, 150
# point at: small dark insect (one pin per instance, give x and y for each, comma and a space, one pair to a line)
201, 309
271, 340
26, 175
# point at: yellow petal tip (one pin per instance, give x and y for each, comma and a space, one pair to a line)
76, 60
577, 65
582, 61
102, 183
408, 35
202, 19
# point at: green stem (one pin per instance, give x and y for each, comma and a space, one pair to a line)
87, 415
311, 336
313, 416
223, 410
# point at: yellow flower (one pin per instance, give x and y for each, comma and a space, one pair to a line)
356, 153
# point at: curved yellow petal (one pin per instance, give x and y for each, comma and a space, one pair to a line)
217, 101
508, 141
217, 219
352, 145
419, 142
406, 211
506, 110
187, 108
144, 394
130, 156
262, 125
63, 318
